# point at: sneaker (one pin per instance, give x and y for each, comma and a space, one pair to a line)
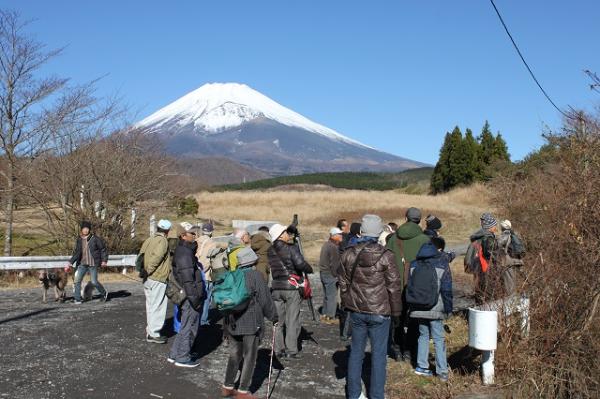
170, 360
423, 372
189, 364
156, 340
227, 392
77, 302
443, 377
105, 297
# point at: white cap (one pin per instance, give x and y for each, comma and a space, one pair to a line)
188, 227
335, 231
506, 225
164, 224
276, 231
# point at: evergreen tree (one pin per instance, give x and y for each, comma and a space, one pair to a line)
500, 152
472, 150
487, 142
440, 172
457, 160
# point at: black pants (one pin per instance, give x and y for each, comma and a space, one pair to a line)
242, 348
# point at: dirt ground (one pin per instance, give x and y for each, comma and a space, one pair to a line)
98, 350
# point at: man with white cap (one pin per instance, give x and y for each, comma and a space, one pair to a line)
187, 273
157, 267
329, 264
287, 263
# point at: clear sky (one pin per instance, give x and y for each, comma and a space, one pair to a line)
395, 75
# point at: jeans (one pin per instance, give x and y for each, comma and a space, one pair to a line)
329, 294
436, 327
376, 328
287, 304
182, 346
241, 348
156, 306
205, 311
80, 273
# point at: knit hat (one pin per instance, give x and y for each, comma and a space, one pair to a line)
488, 221
433, 223
276, 231
246, 257
207, 228
371, 226
506, 225
84, 224
334, 232
164, 224
413, 215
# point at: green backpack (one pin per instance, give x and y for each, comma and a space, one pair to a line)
230, 294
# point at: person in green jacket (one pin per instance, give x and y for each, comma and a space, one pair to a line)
157, 264
405, 244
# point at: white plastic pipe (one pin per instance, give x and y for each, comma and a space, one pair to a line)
487, 367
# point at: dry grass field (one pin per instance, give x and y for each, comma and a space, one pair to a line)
319, 210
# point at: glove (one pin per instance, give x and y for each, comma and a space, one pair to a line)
104, 264
68, 268
275, 321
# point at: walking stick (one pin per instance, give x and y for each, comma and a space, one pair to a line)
271, 363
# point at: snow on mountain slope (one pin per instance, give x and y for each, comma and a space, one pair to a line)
216, 107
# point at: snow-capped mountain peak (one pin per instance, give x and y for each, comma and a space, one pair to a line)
216, 107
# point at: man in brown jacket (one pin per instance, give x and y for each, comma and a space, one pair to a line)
260, 242
371, 290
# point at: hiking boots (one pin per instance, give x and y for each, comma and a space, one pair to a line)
329, 320
156, 340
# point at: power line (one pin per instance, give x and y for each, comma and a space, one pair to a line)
525, 62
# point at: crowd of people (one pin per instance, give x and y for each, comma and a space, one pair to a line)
383, 283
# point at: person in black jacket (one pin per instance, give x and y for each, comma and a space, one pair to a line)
187, 272
89, 254
286, 261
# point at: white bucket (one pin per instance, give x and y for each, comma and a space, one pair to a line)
483, 329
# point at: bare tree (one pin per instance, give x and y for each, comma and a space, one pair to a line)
23, 99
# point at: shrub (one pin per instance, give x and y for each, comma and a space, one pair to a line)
553, 198
187, 206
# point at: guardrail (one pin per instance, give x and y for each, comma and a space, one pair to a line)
51, 262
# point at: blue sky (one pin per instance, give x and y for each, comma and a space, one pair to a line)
395, 75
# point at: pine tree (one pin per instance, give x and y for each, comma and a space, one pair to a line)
472, 149
457, 160
440, 172
500, 149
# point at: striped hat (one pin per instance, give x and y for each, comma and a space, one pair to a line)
488, 221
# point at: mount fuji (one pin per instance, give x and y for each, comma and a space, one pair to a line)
234, 121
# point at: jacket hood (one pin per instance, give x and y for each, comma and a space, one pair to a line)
427, 251
190, 245
370, 255
480, 234
408, 231
261, 236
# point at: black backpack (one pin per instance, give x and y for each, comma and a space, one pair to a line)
422, 291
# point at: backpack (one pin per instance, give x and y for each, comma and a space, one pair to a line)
232, 257
475, 260
217, 258
175, 291
422, 291
230, 293
517, 249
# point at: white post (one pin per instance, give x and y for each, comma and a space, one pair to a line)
487, 367
133, 220
152, 225
97, 208
81, 197
524, 309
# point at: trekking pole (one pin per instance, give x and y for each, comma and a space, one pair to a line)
271, 363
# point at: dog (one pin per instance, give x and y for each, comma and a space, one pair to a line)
56, 278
